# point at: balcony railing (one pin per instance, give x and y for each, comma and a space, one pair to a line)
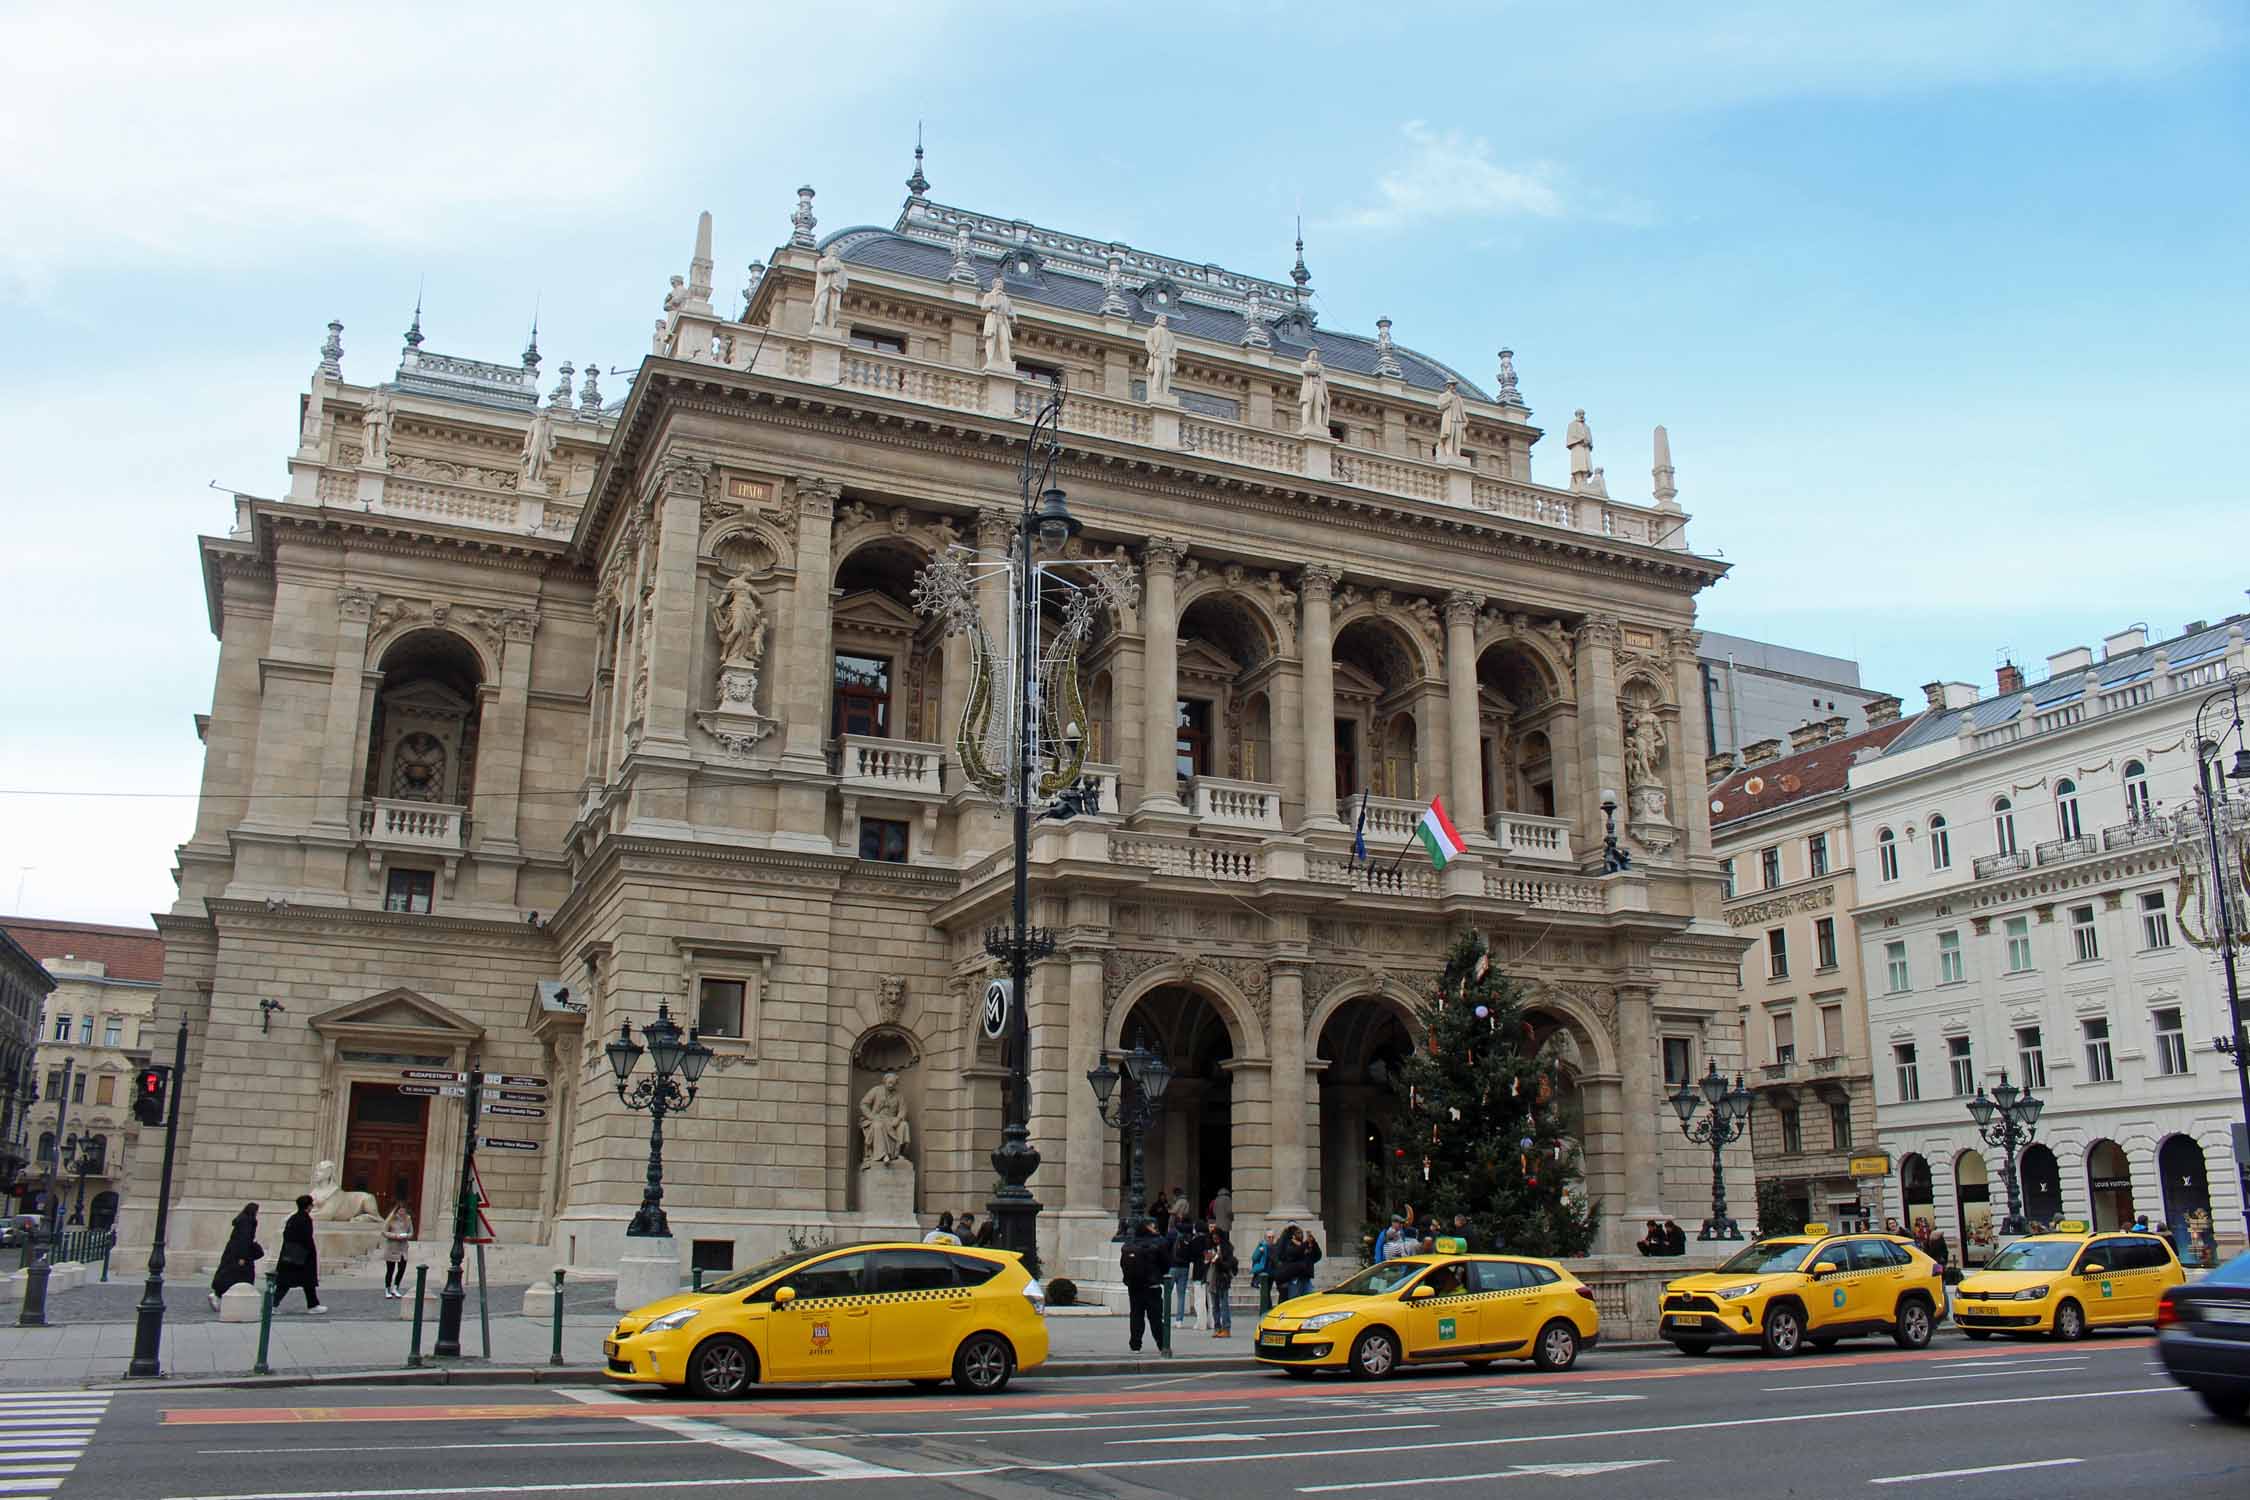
1389, 819
1374, 877
1989, 865
413, 825
1554, 892
1193, 858
2138, 832
1527, 837
1236, 804
890, 768
2054, 851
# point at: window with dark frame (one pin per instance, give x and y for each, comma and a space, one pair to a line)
1769, 867
878, 340
1777, 953
1792, 1132
1192, 739
1816, 855
409, 890
1840, 1124
719, 1005
1824, 942
882, 839
863, 696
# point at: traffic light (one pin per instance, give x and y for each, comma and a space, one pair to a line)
148, 1096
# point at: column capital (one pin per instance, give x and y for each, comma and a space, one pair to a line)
1163, 554
685, 474
356, 605
996, 527
1461, 607
816, 496
1318, 581
1685, 645
1598, 632
519, 624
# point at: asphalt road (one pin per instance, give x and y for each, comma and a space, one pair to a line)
1994, 1420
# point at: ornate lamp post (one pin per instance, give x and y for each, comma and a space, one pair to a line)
2213, 848
675, 1068
1146, 1076
2008, 1120
1725, 1120
88, 1156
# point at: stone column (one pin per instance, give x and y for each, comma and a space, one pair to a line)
1285, 1037
500, 744
671, 644
1636, 1069
1160, 692
1086, 1135
355, 608
1461, 712
1316, 641
1691, 746
807, 676
1601, 741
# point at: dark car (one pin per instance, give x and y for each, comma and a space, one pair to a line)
2203, 1332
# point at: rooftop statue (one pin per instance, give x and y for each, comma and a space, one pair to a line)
999, 327
538, 448
1580, 440
1163, 347
1453, 422
677, 297
375, 433
1312, 398
830, 281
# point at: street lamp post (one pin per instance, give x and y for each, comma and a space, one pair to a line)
1146, 1076
2009, 1120
87, 1158
662, 1093
1725, 1120
2226, 842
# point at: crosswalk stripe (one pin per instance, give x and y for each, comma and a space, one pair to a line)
29, 1486
6, 1396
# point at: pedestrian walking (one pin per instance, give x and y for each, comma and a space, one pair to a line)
1224, 1265
238, 1263
1199, 1272
298, 1266
1261, 1271
398, 1232
1143, 1265
1182, 1257
1222, 1210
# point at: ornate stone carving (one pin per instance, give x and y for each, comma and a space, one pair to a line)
1163, 554
1163, 348
998, 338
890, 999
1312, 397
415, 466
684, 475
830, 282
1120, 967
1461, 608
355, 604
1782, 906
1317, 581
1579, 438
883, 1127
1453, 423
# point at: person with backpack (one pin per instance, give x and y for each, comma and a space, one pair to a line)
1261, 1271
1143, 1264
1219, 1282
1182, 1257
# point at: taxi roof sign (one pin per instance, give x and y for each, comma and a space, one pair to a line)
1816, 1229
2071, 1226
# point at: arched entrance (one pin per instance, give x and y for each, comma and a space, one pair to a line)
2109, 1181
1917, 1193
2187, 1188
1190, 1145
101, 1212
1972, 1199
1363, 1041
2042, 1185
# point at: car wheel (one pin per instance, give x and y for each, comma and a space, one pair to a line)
1914, 1327
720, 1368
1692, 1346
1375, 1355
2070, 1322
1979, 1334
1557, 1348
984, 1364
2227, 1406
1785, 1332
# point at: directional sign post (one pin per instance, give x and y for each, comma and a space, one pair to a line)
436, 1090
432, 1075
504, 1143
520, 1111
514, 1096
513, 1081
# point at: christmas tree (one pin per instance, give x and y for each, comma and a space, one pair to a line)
1480, 1128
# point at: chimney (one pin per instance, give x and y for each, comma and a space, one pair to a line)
2196, 627
1717, 768
2076, 659
1960, 695
1882, 710
1834, 727
1804, 737
1935, 693
2011, 678
2131, 638
1761, 753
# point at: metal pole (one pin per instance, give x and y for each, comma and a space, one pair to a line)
421, 1289
650, 1222
2009, 1142
265, 1327
555, 1358
148, 1330
2241, 1052
34, 1314
1136, 1126
484, 1308
452, 1299
55, 1177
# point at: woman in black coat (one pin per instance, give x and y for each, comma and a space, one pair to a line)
299, 1263
238, 1263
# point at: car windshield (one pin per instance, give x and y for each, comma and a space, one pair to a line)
744, 1280
2235, 1272
1768, 1255
1376, 1280
2035, 1255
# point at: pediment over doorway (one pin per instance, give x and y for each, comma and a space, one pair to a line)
396, 1016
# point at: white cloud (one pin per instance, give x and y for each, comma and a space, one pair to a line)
1451, 175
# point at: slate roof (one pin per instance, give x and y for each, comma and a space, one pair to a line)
2118, 671
1793, 778
131, 953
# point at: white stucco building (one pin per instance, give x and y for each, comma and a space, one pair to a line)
2020, 913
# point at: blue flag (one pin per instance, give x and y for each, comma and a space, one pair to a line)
1359, 833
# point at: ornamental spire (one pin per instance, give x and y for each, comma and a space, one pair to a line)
531, 352
590, 394
1298, 273
332, 352
918, 185
414, 329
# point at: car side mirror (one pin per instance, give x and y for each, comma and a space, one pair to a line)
2092, 1268
1420, 1292
1824, 1268
783, 1296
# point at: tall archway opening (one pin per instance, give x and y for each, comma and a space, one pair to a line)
2042, 1184
1364, 1042
2109, 1183
1972, 1208
422, 740
1189, 1147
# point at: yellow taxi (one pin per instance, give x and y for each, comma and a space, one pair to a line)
1786, 1291
878, 1311
1434, 1309
2064, 1283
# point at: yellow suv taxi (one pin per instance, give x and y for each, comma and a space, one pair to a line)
881, 1311
1786, 1291
2064, 1283
1434, 1309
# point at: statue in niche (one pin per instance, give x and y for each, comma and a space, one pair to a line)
1644, 747
1312, 397
1453, 423
1163, 347
999, 327
538, 449
333, 1205
1579, 438
830, 282
741, 620
882, 1123
375, 433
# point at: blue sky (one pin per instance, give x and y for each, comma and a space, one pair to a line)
1944, 305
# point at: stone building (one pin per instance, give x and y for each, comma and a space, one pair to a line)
1782, 829
1753, 691
2021, 914
532, 714
24, 986
106, 981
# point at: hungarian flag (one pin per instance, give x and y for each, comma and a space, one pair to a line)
1438, 834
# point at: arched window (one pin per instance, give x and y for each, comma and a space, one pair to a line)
1886, 853
1941, 843
2066, 809
46, 1148
2003, 826
2137, 806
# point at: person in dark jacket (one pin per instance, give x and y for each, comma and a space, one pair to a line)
299, 1262
238, 1263
1145, 1263
1220, 1281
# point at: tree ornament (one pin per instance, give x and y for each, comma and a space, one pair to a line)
1482, 1012
1455, 1112
1425, 1169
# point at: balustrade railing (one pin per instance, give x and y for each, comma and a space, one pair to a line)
1243, 445
1393, 476
413, 825
913, 381
2054, 850
1375, 877
1097, 416
1528, 837
1389, 819
1189, 857
2134, 834
894, 767
1236, 804
1989, 865
1554, 892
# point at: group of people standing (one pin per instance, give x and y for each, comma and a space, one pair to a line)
1411, 1234
297, 1268
964, 1231
1180, 1269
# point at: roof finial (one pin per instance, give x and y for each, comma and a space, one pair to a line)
1298, 273
918, 185
1509, 394
332, 352
1386, 352
1666, 487
414, 330
531, 350
801, 220
590, 394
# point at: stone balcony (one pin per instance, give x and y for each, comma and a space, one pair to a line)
451, 494
1222, 803
870, 767
2015, 862
1522, 836
436, 827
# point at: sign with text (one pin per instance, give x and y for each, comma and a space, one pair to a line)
436, 1090
522, 1111
433, 1075
505, 1143
514, 1097
1875, 1165
514, 1081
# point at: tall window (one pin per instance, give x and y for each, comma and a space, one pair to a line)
1785, 1036
1769, 867
1777, 953
86, 1030
2031, 1057
863, 696
1961, 1066
880, 341
1886, 854
1792, 1132
2018, 930
105, 1089
2066, 809
1816, 855
1679, 1060
78, 1088
1909, 1075
2003, 826
1894, 966
2085, 942
1824, 941
1191, 738
2136, 792
1832, 1031
62, 1028
2156, 925
2171, 1042
1950, 969
113, 1031
1840, 1124
1941, 843
2101, 1067
1726, 875
409, 890
719, 1006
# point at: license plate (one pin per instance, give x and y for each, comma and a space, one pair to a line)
1687, 1317
2227, 1314
1273, 1340
609, 1348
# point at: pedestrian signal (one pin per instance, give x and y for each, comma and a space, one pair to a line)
148, 1096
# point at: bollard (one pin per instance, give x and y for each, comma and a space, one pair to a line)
265, 1327
556, 1357
421, 1285
108, 1245
34, 1314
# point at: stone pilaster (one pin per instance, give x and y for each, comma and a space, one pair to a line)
1285, 1036
1691, 746
811, 675
355, 608
500, 747
1086, 1135
1601, 739
1461, 717
670, 649
1637, 1080
1160, 692
1316, 641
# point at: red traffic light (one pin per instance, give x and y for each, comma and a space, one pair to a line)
148, 1096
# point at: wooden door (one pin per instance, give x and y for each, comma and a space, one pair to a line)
384, 1144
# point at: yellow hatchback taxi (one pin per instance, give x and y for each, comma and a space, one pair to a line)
1434, 1309
1786, 1291
882, 1311
2064, 1283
